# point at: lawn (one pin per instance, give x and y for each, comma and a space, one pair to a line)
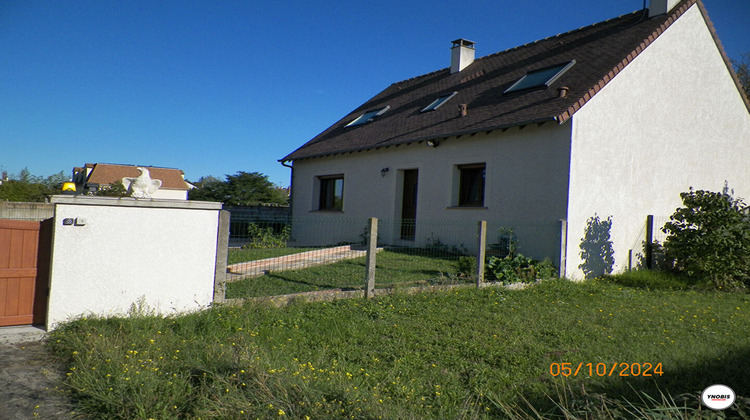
393, 268
471, 353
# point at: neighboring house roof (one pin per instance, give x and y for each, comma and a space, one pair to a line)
600, 52
106, 174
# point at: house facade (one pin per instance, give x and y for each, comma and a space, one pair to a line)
610, 121
93, 177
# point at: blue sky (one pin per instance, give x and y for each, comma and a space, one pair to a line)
216, 87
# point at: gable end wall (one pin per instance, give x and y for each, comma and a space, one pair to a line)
672, 119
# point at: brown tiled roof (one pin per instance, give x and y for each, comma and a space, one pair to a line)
106, 174
601, 51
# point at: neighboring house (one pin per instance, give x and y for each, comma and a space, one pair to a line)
93, 177
610, 120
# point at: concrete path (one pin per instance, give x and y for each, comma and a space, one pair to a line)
21, 334
292, 262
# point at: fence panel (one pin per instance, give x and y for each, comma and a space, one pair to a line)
647, 248
327, 251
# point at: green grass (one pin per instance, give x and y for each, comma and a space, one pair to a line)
657, 280
400, 268
472, 353
238, 255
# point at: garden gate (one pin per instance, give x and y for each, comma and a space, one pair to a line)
24, 271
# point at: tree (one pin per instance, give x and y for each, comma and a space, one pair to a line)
710, 238
116, 189
31, 188
240, 189
742, 68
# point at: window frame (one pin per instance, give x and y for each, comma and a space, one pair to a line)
368, 116
563, 68
437, 103
477, 171
327, 197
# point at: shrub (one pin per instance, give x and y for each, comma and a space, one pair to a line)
519, 268
710, 238
262, 238
466, 266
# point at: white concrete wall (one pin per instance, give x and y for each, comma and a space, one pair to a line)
671, 120
526, 185
168, 194
163, 252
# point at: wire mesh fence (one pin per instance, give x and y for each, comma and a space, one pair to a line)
646, 251
327, 251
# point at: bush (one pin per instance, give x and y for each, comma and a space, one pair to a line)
466, 266
517, 268
710, 238
262, 238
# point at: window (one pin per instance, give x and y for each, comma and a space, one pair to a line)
437, 103
542, 77
331, 193
471, 185
367, 116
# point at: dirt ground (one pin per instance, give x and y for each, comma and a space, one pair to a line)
30, 384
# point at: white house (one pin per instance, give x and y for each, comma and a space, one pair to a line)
96, 176
610, 120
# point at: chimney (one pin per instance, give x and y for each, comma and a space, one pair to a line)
462, 54
660, 7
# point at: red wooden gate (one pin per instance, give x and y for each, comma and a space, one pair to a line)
24, 255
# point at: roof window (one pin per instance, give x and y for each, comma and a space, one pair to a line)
437, 103
368, 116
542, 77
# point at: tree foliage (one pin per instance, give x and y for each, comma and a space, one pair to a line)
710, 238
742, 68
240, 189
116, 189
31, 188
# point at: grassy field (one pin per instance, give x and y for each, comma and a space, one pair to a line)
399, 268
473, 353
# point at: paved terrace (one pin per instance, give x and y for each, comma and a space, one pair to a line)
292, 262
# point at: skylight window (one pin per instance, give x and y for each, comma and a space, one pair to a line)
367, 116
542, 77
437, 103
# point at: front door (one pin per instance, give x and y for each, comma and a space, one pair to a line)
409, 205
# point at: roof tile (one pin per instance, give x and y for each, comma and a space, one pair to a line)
601, 51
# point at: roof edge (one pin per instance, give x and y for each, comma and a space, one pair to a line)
567, 114
424, 138
722, 51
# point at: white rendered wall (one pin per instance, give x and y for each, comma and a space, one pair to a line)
163, 252
167, 194
671, 120
526, 184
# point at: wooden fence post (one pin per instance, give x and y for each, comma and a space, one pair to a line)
482, 238
372, 250
222, 249
563, 247
650, 241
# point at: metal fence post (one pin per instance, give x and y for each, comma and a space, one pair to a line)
482, 249
372, 249
650, 241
